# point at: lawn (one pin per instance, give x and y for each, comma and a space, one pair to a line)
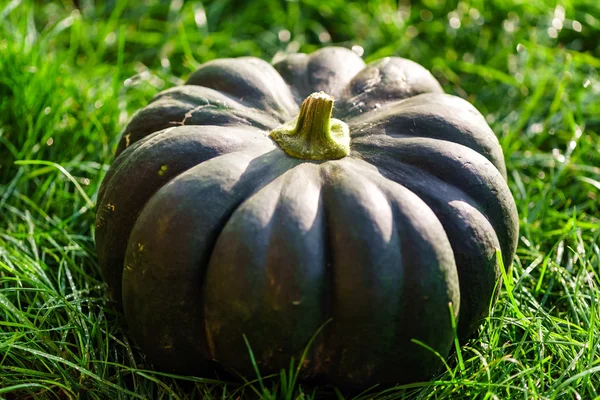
71, 78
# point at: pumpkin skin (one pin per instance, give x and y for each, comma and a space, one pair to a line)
207, 230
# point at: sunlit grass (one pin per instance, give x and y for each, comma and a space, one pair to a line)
71, 78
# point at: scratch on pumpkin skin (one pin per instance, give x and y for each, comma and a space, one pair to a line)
110, 206
306, 363
127, 140
209, 337
190, 113
320, 362
166, 341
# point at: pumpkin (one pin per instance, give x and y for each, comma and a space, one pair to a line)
245, 203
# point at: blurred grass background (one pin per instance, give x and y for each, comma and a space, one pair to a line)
72, 74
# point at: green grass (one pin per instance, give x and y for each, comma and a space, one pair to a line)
71, 79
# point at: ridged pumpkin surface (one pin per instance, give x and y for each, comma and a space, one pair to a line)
207, 230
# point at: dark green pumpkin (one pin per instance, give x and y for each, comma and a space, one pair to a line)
208, 230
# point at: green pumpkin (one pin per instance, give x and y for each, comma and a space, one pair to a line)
231, 210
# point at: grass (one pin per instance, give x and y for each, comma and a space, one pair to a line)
71, 78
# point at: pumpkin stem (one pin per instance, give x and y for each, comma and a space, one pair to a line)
313, 134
